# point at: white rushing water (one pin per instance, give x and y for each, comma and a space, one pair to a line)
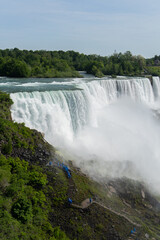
100, 122
64, 113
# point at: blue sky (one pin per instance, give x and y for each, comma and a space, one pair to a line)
87, 26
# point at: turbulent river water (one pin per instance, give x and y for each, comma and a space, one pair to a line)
109, 126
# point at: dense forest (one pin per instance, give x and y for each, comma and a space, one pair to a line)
24, 63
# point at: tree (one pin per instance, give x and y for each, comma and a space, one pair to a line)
15, 68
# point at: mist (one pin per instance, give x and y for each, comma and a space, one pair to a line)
124, 143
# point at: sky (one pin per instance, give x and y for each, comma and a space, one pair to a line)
86, 26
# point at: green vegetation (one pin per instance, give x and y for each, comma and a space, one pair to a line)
17, 63
23, 204
24, 207
154, 70
23, 63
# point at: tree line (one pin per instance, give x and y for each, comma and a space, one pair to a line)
24, 63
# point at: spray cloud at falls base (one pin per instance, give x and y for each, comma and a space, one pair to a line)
109, 127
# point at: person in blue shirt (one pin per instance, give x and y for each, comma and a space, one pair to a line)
69, 200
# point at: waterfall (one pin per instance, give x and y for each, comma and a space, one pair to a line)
62, 114
105, 125
156, 87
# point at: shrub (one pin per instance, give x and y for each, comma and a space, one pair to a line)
59, 235
5, 176
7, 148
22, 210
37, 180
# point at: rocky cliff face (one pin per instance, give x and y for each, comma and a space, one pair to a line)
119, 209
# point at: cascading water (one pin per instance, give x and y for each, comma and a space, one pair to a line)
64, 113
156, 87
57, 114
101, 122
